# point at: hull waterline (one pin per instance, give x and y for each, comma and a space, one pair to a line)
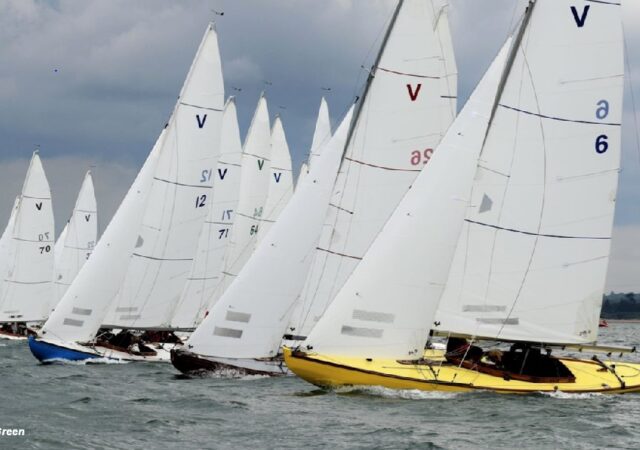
334, 372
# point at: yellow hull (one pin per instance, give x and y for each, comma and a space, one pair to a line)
331, 372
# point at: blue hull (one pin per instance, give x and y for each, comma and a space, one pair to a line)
46, 352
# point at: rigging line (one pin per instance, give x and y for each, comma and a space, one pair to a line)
560, 119
604, 2
381, 167
530, 233
201, 107
395, 72
338, 253
161, 259
182, 184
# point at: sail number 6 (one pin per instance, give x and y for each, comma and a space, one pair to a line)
602, 144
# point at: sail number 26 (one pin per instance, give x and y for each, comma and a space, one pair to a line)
423, 157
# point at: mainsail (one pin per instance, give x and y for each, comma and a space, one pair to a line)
77, 240
406, 109
216, 232
27, 288
176, 176
254, 186
5, 241
178, 201
532, 257
280, 181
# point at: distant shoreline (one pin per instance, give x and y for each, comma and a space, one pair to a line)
622, 320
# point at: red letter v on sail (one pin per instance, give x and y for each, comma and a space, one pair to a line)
414, 94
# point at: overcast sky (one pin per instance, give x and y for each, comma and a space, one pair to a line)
92, 82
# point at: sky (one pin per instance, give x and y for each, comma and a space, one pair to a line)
92, 83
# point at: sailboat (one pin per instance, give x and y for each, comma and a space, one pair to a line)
244, 330
77, 240
139, 267
216, 232
407, 106
280, 181
321, 134
518, 239
254, 188
26, 293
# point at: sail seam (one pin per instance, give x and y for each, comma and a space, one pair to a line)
561, 119
182, 184
162, 259
530, 233
200, 107
408, 74
338, 254
381, 167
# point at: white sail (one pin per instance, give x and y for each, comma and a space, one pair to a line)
250, 318
280, 181
27, 290
216, 232
407, 108
179, 199
77, 240
254, 186
322, 132
383, 310
5, 242
532, 257
78, 315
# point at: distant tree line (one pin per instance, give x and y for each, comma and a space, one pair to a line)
621, 306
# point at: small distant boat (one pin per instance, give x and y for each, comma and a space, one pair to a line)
603, 324
26, 281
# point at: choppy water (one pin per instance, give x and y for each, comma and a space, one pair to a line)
127, 406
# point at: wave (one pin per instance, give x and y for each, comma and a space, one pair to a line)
404, 394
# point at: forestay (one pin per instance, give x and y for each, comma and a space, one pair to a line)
280, 181
77, 240
216, 232
532, 258
178, 201
384, 308
250, 318
254, 185
27, 289
78, 315
407, 107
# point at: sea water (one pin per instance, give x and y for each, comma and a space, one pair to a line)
152, 406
